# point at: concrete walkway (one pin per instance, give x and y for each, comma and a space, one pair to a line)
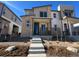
36, 48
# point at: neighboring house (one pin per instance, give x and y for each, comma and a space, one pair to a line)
10, 23
42, 20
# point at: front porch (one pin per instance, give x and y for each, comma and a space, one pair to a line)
70, 24
41, 26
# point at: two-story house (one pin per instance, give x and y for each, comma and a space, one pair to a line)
42, 20
10, 23
37, 21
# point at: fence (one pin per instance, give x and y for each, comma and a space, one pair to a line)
9, 38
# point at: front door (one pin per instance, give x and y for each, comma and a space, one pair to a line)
43, 28
36, 28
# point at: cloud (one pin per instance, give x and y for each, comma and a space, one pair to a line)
8, 3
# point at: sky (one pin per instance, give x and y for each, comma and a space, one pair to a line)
18, 6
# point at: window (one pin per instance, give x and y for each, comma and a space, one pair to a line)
43, 28
43, 14
54, 15
55, 26
65, 13
4, 11
27, 25
68, 12
28, 21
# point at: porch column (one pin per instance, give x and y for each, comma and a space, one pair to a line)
10, 28
70, 28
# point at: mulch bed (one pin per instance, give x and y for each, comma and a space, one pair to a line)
59, 51
19, 51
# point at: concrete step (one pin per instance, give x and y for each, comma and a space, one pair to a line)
36, 38
37, 55
36, 50
36, 41
36, 45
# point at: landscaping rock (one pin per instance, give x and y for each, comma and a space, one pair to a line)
72, 49
11, 48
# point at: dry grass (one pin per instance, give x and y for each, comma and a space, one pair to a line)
57, 48
59, 51
20, 51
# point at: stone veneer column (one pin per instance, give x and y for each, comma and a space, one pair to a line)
10, 28
70, 28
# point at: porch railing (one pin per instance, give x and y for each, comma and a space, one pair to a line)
45, 32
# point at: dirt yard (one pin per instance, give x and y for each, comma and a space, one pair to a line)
58, 48
21, 49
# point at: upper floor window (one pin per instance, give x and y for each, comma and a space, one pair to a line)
54, 15
43, 14
65, 13
4, 11
68, 13
28, 21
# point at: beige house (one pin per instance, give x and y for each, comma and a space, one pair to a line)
10, 23
37, 21
42, 20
